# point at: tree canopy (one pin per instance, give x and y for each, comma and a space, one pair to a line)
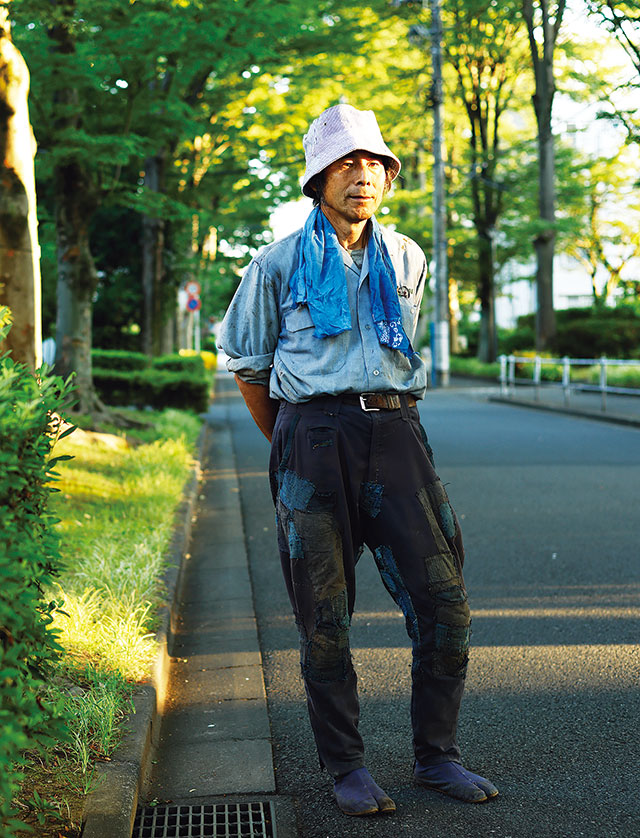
168, 130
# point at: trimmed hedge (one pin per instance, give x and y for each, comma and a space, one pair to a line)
581, 333
519, 340
132, 378
156, 388
119, 359
209, 359
192, 364
584, 333
29, 562
165, 388
614, 337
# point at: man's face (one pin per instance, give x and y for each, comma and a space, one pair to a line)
354, 186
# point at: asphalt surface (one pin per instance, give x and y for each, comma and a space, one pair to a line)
549, 506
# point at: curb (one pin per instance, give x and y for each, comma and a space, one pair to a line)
110, 809
616, 419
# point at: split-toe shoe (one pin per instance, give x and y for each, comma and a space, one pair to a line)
358, 794
452, 779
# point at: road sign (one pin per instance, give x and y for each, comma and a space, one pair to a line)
192, 288
193, 304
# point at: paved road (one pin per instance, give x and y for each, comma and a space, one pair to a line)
550, 509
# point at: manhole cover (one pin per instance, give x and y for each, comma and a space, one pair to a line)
216, 820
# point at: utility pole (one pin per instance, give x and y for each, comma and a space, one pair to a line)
418, 35
440, 335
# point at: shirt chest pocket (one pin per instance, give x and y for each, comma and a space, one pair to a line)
298, 319
313, 356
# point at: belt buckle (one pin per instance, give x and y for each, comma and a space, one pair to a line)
363, 404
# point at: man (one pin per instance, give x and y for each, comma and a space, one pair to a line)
319, 336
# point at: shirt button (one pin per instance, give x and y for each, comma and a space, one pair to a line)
367, 327
376, 372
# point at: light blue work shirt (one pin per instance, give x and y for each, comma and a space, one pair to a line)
269, 340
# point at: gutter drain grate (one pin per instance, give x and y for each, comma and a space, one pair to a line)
216, 820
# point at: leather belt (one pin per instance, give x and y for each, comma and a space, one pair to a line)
378, 401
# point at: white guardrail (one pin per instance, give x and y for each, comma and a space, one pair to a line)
508, 379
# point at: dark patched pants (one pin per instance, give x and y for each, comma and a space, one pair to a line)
341, 478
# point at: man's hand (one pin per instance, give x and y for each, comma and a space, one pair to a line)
262, 408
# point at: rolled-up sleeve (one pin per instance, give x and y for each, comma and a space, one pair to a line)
251, 327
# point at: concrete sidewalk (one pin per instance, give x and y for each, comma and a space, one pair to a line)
215, 736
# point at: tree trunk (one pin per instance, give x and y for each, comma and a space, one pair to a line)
594, 287
488, 339
76, 200
73, 323
77, 279
167, 335
545, 241
612, 282
544, 244
19, 251
153, 273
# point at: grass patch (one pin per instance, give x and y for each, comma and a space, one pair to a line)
628, 376
459, 365
623, 376
116, 504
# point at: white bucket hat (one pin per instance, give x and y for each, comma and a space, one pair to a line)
338, 131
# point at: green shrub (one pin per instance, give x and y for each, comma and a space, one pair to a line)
583, 333
548, 372
614, 337
165, 388
131, 378
518, 340
117, 387
626, 376
29, 561
118, 359
469, 330
460, 365
623, 376
192, 364
158, 388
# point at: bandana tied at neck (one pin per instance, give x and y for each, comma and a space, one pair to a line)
319, 282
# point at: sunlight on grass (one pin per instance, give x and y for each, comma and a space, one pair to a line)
116, 509
110, 633
116, 504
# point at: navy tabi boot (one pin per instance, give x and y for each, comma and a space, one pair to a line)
358, 794
452, 779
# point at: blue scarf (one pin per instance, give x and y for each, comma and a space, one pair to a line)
320, 283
